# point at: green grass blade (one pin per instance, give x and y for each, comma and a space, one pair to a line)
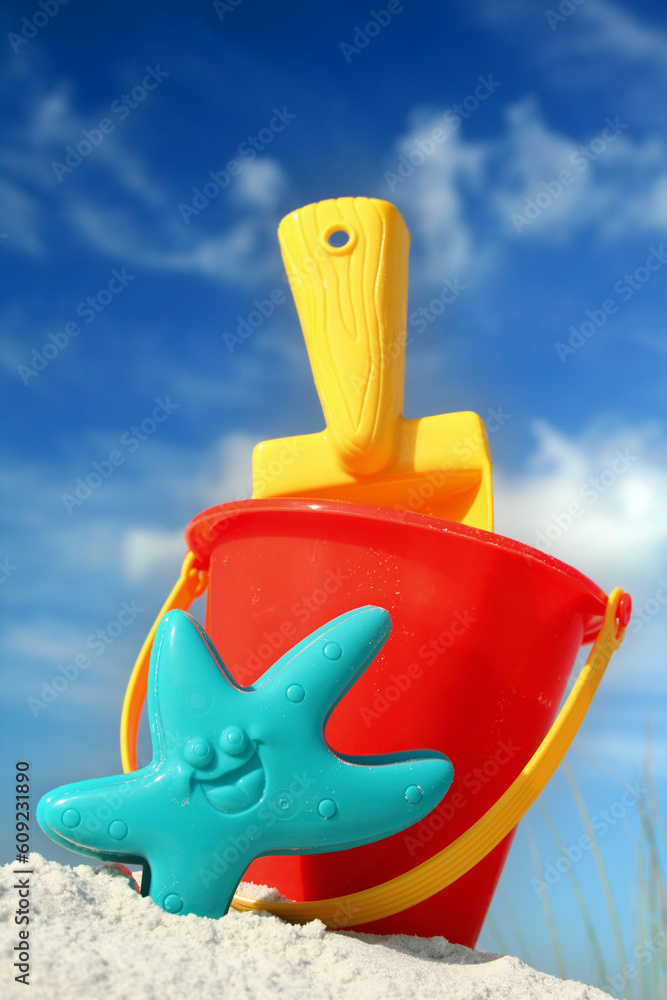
642, 910
601, 870
496, 935
546, 902
524, 951
579, 896
656, 898
652, 900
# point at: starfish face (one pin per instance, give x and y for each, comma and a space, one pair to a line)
230, 770
238, 773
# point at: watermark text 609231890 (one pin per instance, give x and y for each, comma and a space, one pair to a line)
21, 948
22, 811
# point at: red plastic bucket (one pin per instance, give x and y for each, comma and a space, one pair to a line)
485, 633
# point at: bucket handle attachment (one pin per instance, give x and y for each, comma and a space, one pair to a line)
448, 865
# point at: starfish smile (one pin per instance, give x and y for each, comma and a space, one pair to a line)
238, 791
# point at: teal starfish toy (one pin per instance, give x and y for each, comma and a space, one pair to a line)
242, 772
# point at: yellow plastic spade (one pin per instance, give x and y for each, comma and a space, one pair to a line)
347, 263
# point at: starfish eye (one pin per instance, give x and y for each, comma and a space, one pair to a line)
234, 741
199, 752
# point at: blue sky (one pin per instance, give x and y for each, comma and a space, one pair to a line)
526, 149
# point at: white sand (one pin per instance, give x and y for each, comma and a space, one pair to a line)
92, 936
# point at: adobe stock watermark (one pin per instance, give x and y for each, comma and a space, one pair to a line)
277, 642
31, 26
247, 325
494, 419
650, 950
7, 569
419, 320
378, 20
92, 822
283, 804
643, 614
566, 8
581, 160
434, 480
601, 822
264, 308
130, 440
88, 310
625, 288
473, 782
276, 467
345, 913
222, 7
120, 108
246, 152
452, 119
429, 653
97, 642
590, 492
216, 528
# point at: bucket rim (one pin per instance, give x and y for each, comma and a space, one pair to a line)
203, 535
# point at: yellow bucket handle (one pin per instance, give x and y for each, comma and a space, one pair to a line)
425, 880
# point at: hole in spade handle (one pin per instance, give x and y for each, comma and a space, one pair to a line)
338, 238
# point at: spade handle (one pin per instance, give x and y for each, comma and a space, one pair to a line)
347, 263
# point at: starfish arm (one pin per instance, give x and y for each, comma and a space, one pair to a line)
196, 879
187, 679
317, 672
350, 804
105, 818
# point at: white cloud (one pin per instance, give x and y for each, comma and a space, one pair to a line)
45, 639
261, 183
129, 530
594, 51
597, 502
246, 254
645, 208
121, 545
232, 475
465, 199
530, 158
617, 481
625, 749
149, 549
606, 28
143, 226
51, 118
19, 220
89, 690
222, 474
432, 197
